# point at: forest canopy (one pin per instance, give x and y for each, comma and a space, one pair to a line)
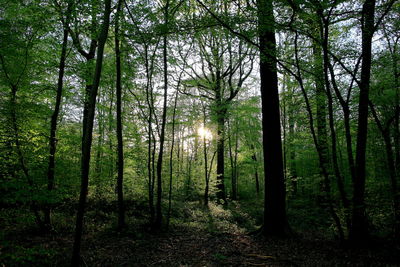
141, 118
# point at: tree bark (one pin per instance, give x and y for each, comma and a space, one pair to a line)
324, 31
235, 164
54, 116
87, 136
291, 146
220, 113
275, 221
158, 219
254, 158
120, 178
171, 155
359, 228
233, 160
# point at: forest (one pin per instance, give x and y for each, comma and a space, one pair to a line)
199, 133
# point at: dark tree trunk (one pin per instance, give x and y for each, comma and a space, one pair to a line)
233, 159
111, 134
150, 154
292, 149
235, 168
99, 150
221, 158
171, 154
275, 221
54, 117
87, 137
220, 114
322, 135
158, 219
206, 189
120, 178
328, 69
205, 155
254, 158
359, 229
324, 73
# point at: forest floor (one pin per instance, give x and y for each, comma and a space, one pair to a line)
197, 237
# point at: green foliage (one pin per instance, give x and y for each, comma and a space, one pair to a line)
26, 256
198, 48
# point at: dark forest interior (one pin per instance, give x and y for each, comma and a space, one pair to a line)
199, 133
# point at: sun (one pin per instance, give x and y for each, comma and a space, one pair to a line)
204, 133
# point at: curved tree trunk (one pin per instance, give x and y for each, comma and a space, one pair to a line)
54, 116
87, 136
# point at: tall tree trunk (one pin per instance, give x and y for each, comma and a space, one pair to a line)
150, 158
120, 178
328, 69
235, 170
232, 162
111, 125
324, 73
275, 221
221, 158
359, 229
171, 155
291, 146
320, 94
220, 114
87, 137
206, 173
158, 220
99, 149
54, 116
254, 158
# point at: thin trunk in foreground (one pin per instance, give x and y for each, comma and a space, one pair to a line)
87, 136
54, 117
359, 228
120, 178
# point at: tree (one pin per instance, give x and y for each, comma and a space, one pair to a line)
158, 219
87, 134
220, 76
275, 221
120, 179
359, 228
18, 51
54, 116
